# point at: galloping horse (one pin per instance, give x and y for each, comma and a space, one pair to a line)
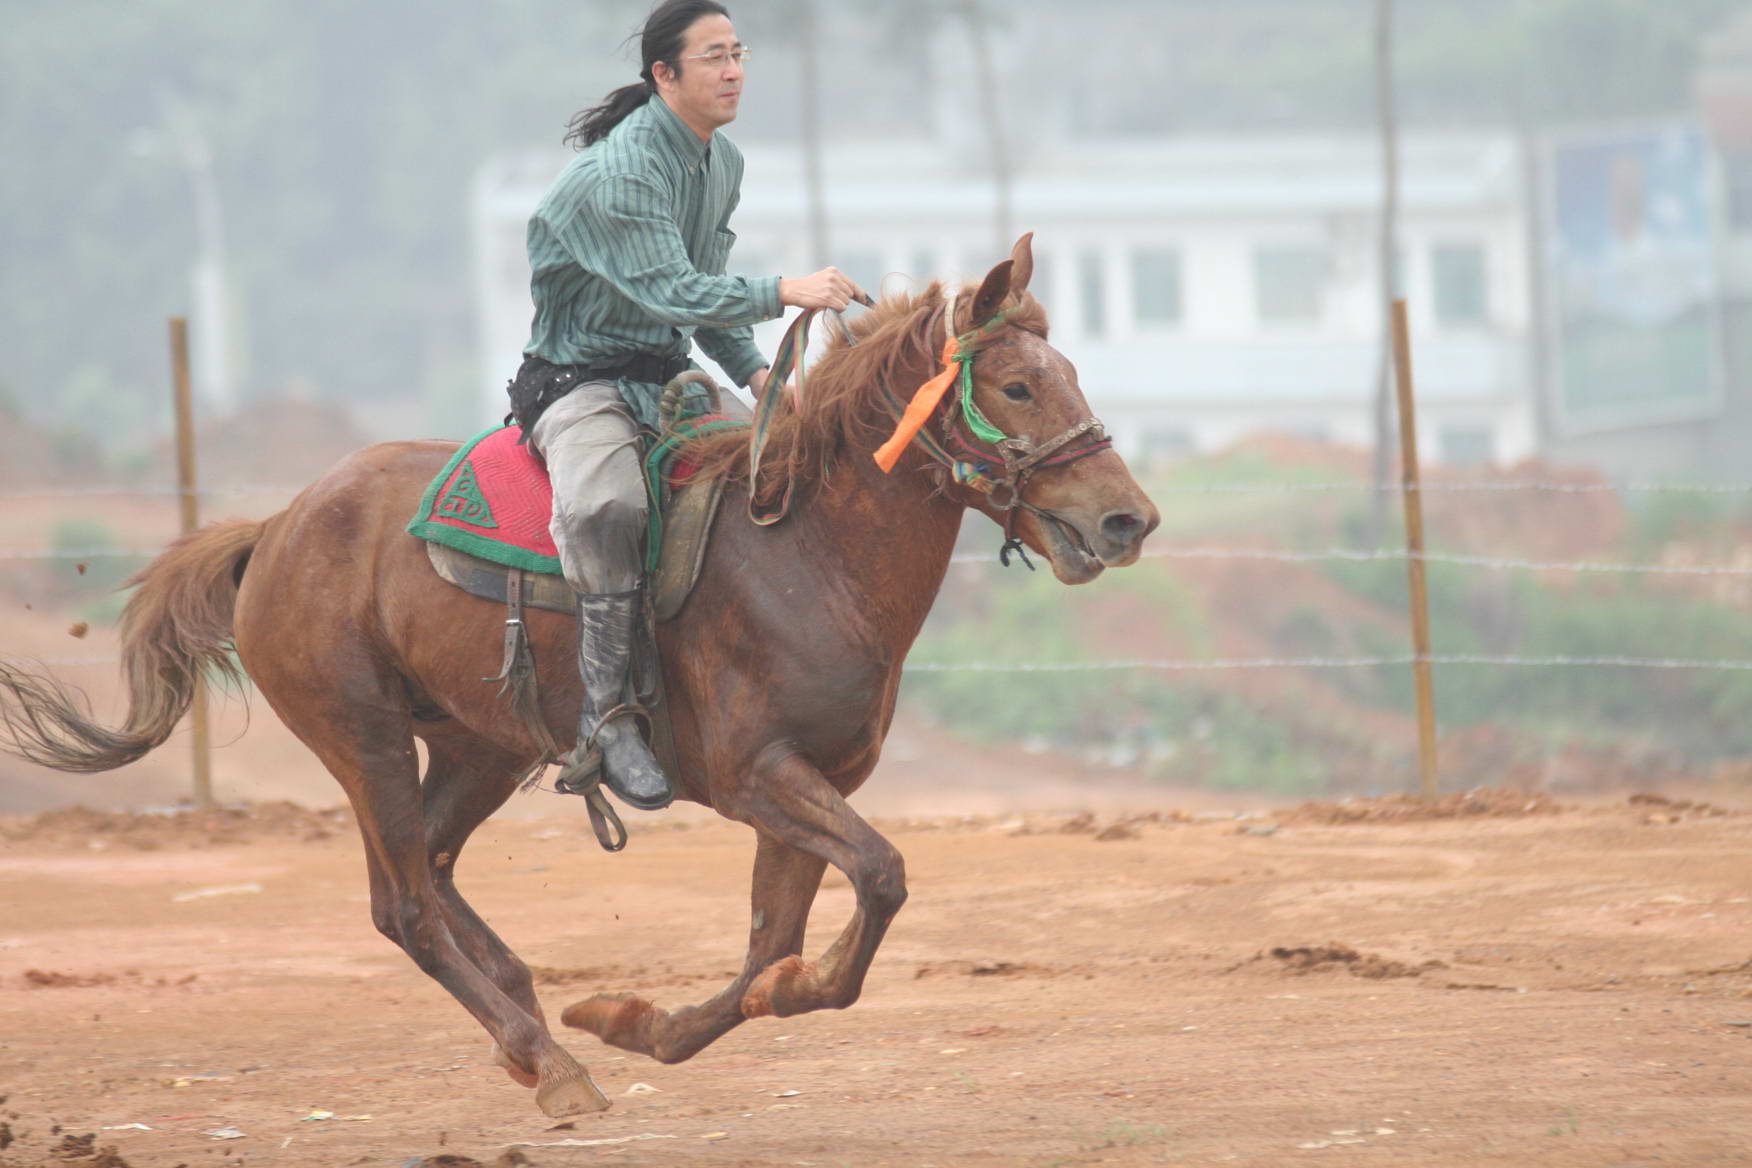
781, 671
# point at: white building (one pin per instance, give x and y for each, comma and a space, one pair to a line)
1205, 289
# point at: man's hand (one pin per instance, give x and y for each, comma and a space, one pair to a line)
757, 381
828, 288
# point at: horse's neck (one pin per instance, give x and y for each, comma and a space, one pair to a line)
892, 533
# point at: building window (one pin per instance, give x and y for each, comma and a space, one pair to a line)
1457, 271
1466, 445
1156, 285
1288, 284
1092, 291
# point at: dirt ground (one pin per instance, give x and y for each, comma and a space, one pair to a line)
1508, 981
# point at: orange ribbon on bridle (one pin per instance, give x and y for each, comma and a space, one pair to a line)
923, 405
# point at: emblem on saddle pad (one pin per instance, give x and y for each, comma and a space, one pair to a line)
464, 500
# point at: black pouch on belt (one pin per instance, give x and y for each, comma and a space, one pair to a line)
540, 383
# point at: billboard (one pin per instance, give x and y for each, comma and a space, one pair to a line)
1631, 279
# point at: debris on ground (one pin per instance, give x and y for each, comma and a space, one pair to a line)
85, 1152
220, 890
80, 826
49, 979
590, 1143
1333, 955
981, 969
1482, 802
1660, 809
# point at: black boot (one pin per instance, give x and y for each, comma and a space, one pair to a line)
607, 627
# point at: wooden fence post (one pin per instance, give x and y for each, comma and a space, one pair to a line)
1411, 490
186, 496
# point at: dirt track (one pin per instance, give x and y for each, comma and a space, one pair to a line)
1557, 988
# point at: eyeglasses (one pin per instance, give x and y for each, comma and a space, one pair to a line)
717, 58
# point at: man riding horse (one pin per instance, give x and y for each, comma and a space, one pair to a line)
627, 252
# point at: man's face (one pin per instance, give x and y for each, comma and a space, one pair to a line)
707, 93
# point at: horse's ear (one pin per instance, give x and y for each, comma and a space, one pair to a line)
1022, 256
991, 293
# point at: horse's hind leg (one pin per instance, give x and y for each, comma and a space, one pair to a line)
804, 825
369, 748
466, 781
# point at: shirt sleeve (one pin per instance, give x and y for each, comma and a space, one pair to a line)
623, 232
734, 350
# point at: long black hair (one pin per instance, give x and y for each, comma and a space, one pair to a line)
662, 40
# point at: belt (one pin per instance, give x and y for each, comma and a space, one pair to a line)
646, 367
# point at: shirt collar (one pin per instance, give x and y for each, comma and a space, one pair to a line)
676, 133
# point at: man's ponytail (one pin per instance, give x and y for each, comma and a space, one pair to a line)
593, 124
662, 38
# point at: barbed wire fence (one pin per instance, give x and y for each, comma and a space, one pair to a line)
1188, 553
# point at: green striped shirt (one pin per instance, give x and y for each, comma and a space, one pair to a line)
627, 252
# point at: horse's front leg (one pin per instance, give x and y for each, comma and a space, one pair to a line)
800, 807
785, 882
804, 825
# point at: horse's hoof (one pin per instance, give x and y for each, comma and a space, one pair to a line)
779, 989
572, 1095
623, 1020
518, 1075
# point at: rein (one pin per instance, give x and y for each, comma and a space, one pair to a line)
976, 453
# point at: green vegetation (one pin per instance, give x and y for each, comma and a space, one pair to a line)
1309, 729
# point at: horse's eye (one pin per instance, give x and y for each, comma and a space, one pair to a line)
1017, 392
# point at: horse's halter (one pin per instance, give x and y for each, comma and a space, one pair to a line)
1002, 479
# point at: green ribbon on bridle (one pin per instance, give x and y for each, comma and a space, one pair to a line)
977, 422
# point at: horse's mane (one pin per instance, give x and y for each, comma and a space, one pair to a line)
843, 405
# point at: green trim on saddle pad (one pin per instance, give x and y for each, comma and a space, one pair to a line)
657, 466
467, 541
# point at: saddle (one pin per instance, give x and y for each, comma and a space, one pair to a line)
485, 522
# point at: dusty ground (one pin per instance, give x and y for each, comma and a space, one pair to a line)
1512, 983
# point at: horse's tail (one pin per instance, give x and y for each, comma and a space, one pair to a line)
175, 627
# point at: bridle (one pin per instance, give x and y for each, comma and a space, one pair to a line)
973, 451
970, 441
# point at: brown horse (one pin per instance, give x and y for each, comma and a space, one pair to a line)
781, 671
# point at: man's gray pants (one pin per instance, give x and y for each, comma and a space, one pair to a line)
591, 445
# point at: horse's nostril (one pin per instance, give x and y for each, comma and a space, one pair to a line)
1122, 526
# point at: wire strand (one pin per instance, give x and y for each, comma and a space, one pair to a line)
1322, 663
1331, 486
